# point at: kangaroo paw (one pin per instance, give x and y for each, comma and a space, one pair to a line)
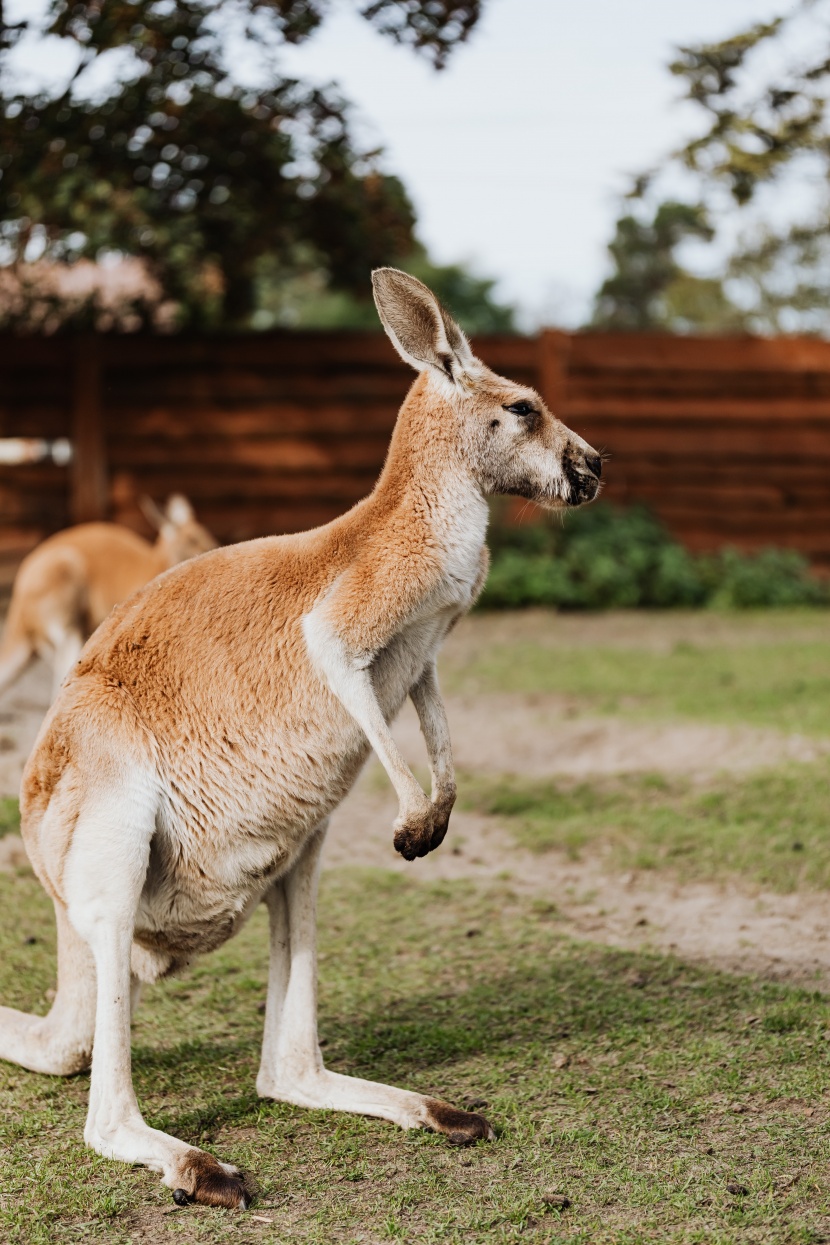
413, 836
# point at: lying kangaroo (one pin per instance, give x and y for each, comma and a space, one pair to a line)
66, 587
187, 771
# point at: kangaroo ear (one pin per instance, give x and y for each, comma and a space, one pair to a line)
151, 512
178, 510
421, 331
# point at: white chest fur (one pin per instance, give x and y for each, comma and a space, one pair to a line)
460, 529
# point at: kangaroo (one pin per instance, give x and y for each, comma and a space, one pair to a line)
66, 587
188, 768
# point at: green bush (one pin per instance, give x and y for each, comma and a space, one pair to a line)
606, 558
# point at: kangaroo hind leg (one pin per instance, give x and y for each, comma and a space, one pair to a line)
66, 649
14, 658
104, 876
60, 1043
292, 1067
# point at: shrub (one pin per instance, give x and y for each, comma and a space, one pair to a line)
605, 558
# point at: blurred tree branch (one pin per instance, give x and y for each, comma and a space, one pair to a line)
764, 97
199, 175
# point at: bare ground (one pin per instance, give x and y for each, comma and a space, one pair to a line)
735, 928
730, 926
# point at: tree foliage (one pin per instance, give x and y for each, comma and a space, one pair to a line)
753, 132
302, 297
763, 96
199, 174
649, 288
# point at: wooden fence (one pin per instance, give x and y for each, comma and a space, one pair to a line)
727, 439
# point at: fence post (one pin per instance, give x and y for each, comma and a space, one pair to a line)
88, 494
554, 349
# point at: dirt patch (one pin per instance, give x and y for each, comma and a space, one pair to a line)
536, 736
733, 927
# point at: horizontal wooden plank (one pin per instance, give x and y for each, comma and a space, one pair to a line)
709, 539
152, 388
176, 423
655, 395
760, 521
758, 410
211, 487
46, 422
18, 353
15, 540
277, 454
230, 524
684, 436
652, 350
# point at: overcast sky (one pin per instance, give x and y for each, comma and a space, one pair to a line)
516, 154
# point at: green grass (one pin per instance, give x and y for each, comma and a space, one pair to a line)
638, 1086
770, 827
780, 685
9, 816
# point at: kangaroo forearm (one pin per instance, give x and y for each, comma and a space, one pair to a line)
432, 716
348, 677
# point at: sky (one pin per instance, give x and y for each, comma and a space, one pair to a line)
517, 154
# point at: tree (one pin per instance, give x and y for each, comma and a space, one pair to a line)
768, 125
202, 176
649, 289
302, 297
764, 95
754, 131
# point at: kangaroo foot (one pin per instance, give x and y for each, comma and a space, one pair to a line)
204, 1179
461, 1128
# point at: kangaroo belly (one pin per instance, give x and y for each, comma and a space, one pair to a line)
232, 825
220, 843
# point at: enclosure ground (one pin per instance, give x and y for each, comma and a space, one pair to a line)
666, 1101
621, 947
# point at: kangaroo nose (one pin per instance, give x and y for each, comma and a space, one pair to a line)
594, 464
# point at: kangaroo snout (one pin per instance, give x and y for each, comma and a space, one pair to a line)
583, 469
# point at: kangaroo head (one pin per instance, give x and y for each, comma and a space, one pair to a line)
508, 439
180, 535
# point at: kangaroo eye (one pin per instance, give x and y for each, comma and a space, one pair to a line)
520, 408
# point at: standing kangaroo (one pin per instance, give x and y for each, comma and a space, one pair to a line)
187, 771
66, 587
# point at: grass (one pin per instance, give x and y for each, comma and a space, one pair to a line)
769, 828
647, 1091
768, 683
9, 816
